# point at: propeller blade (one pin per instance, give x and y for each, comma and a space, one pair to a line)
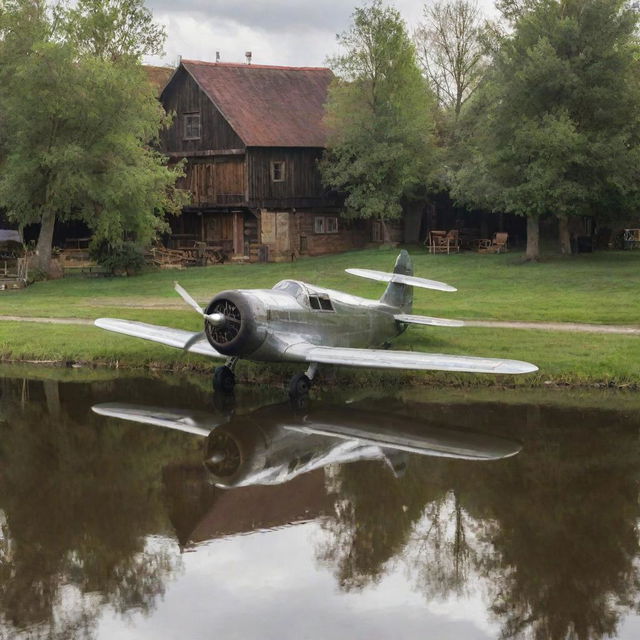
187, 298
197, 337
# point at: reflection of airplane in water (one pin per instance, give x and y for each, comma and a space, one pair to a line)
276, 443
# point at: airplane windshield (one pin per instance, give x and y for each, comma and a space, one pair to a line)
291, 287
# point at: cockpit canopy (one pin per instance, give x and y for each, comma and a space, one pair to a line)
313, 299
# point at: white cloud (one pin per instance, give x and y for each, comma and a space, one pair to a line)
280, 32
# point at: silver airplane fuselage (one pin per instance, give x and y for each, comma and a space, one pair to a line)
292, 312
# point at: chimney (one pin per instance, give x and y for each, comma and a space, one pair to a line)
248, 56
179, 60
217, 56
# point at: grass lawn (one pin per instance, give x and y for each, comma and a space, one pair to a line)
598, 288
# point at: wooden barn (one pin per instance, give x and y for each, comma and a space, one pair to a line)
252, 136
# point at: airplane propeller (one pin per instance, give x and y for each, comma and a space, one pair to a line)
215, 319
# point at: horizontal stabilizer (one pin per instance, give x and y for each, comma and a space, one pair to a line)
413, 281
388, 359
433, 322
177, 338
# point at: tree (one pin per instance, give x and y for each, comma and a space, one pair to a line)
380, 145
556, 129
450, 50
78, 126
112, 29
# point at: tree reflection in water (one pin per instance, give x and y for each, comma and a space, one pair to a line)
78, 501
549, 536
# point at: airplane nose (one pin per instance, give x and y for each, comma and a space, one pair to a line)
216, 457
216, 319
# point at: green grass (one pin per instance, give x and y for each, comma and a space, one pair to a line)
600, 288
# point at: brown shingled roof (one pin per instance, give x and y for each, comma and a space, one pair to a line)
267, 106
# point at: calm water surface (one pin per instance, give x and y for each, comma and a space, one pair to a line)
139, 508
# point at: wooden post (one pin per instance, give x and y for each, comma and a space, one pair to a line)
238, 233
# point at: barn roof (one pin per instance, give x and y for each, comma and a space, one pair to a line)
267, 106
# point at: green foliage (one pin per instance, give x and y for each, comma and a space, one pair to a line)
126, 257
380, 144
79, 121
555, 129
112, 29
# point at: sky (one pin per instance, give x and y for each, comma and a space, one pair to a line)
280, 32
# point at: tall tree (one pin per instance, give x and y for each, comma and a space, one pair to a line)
78, 126
556, 130
112, 29
450, 50
380, 145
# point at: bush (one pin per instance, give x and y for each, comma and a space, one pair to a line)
125, 258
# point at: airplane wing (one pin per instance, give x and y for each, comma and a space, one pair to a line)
434, 441
198, 423
428, 320
414, 281
177, 338
387, 359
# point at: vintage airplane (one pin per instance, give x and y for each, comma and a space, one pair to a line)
299, 322
274, 444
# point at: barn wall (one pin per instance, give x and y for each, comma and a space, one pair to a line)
302, 186
288, 235
215, 181
182, 95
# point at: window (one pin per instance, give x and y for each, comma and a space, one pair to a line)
325, 224
191, 126
278, 171
320, 302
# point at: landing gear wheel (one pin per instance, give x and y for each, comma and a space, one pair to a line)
299, 386
224, 380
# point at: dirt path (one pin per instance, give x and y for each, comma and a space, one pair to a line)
490, 324
556, 326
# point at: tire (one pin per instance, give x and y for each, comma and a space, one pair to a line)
299, 386
224, 380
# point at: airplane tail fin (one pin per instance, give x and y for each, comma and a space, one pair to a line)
397, 294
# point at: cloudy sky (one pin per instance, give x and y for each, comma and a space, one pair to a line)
281, 32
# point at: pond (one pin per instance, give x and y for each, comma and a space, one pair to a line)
143, 507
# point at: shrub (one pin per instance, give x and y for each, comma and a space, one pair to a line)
127, 257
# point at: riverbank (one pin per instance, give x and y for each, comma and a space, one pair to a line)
600, 289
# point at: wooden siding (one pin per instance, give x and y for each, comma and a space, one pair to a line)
182, 95
301, 187
215, 181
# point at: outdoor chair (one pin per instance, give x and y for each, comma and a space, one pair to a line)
498, 244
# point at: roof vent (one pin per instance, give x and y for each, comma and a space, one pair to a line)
217, 56
248, 56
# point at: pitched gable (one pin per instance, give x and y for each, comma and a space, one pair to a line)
267, 106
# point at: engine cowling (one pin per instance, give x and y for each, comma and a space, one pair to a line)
241, 333
235, 453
